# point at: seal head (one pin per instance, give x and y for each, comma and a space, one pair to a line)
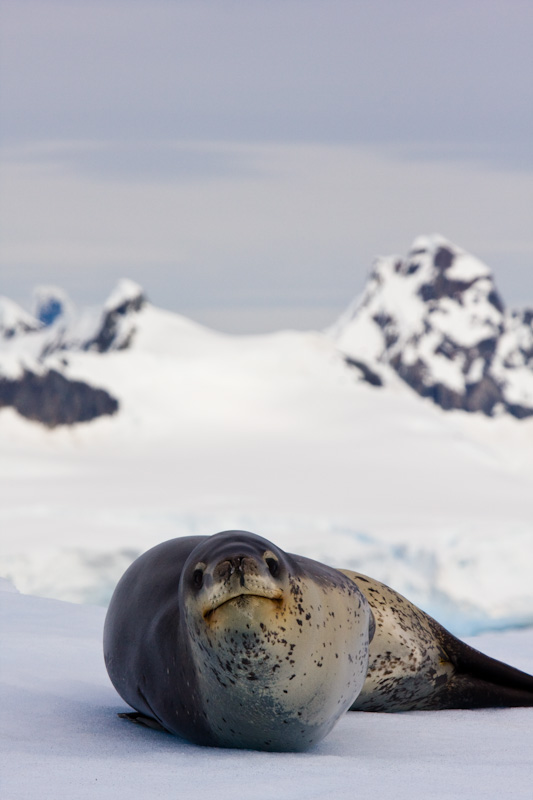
279, 649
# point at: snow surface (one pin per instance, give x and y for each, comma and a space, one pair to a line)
276, 435
61, 738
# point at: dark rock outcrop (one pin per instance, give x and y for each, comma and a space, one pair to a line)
53, 399
367, 374
117, 329
42, 391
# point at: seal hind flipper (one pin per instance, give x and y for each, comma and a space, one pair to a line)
142, 719
480, 681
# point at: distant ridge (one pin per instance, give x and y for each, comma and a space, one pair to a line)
434, 318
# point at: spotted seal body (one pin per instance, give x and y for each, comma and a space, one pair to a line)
228, 641
416, 664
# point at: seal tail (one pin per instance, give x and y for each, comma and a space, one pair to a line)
480, 681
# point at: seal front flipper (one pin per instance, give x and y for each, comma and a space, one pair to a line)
480, 681
142, 719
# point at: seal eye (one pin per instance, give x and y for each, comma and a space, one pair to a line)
198, 577
273, 566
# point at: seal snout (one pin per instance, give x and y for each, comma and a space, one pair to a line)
240, 576
247, 568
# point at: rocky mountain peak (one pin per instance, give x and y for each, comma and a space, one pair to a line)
437, 318
116, 327
15, 320
127, 296
35, 381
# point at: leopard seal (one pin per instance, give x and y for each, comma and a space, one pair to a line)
229, 641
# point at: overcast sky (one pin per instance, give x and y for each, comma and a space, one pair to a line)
245, 161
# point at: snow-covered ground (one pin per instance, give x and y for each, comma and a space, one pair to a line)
276, 435
61, 737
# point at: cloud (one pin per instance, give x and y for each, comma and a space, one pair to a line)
260, 154
277, 225
313, 71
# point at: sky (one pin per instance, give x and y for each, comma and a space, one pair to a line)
246, 161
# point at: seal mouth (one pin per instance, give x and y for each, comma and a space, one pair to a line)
277, 599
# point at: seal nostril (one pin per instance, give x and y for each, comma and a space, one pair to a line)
273, 566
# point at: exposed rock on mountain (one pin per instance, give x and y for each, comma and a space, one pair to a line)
53, 399
33, 380
365, 372
112, 328
116, 327
435, 318
438, 320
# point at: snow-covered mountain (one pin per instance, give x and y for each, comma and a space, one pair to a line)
34, 375
434, 319
437, 318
